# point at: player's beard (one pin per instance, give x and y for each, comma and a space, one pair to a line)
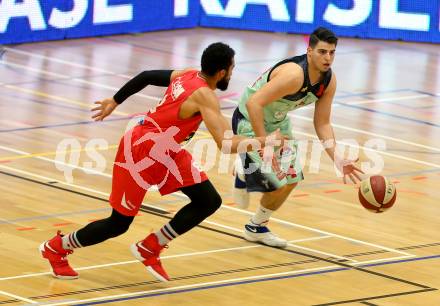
223, 84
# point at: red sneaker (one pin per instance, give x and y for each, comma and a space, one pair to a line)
53, 251
147, 251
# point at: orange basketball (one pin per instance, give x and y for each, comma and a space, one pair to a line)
377, 193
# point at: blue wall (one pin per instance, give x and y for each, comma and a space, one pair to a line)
39, 20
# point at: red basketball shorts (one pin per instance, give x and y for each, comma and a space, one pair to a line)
141, 164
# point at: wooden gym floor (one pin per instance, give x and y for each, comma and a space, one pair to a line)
339, 253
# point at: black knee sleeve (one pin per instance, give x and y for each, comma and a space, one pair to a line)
101, 230
205, 200
120, 223
211, 202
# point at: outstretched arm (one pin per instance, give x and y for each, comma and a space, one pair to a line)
149, 77
160, 78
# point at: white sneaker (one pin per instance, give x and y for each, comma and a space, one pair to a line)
240, 195
263, 235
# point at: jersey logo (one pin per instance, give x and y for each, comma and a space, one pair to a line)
320, 91
265, 182
177, 89
279, 115
126, 203
164, 144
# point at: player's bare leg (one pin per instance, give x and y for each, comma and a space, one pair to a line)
274, 199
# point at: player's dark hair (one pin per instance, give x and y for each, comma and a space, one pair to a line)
322, 34
216, 57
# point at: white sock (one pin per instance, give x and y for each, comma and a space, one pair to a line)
166, 234
261, 216
70, 241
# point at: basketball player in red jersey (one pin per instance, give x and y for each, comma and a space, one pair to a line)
150, 154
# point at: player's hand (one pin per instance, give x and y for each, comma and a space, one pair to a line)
104, 108
349, 170
274, 139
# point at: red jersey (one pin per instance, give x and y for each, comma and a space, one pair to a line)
166, 113
151, 154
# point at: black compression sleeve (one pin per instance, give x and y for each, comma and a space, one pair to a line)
142, 80
205, 200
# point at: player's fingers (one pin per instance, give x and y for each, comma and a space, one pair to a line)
344, 179
352, 178
96, 108
97, 115
357, 176
358, 169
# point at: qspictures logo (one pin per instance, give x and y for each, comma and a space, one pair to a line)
162, 147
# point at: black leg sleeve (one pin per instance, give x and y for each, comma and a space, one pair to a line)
101, 230
205, 200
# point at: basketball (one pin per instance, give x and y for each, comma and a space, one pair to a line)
377, 193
